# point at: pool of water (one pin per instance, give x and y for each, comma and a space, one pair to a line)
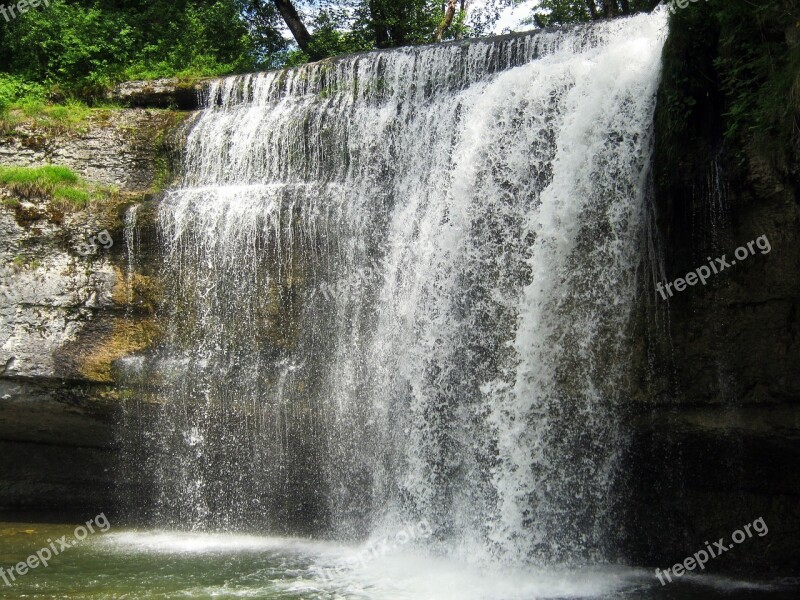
150, 564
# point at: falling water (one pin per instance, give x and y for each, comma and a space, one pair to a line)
133, 242
399, 288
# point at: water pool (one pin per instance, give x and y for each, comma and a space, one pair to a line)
156, 564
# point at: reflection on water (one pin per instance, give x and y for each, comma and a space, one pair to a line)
163, 564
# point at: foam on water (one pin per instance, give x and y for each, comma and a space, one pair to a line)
315, 570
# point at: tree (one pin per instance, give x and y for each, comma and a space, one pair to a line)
401, 23
85, 45
560, 12
265, 24
343, 26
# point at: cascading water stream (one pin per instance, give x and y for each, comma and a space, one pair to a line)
399, 287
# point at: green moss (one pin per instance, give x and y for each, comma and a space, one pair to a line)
125, 337
163, 170
26, 262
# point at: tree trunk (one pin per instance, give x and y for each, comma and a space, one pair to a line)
464, 9
447, 20
294, 23
610, 8
592, 9
391, 23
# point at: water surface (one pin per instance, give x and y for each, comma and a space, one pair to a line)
156, 564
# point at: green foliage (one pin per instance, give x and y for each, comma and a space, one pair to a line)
66, 43
86, 45
561, 12
460, 29
730, 80
14, 89
760, 70
53, 183
392, 23
332, 37
79, 48
265, 27
206, 39
746, 54
558, 12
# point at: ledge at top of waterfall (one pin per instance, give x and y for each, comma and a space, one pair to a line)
400, 289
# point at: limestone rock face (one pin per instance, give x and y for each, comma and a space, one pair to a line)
160, 93
71, 304
49, 293
119, 148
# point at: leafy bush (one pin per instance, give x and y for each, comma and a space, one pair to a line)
14, 89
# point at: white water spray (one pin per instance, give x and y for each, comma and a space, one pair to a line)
471, 379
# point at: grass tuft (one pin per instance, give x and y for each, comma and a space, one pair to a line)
73, 115
57, 184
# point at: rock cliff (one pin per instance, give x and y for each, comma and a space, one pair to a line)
71, 304
717, 423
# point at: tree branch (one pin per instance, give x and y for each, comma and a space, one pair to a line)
294, 23
447, 20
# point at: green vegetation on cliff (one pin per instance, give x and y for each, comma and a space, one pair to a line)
727, 125
738, 60
56, 184
71, 115
759, 67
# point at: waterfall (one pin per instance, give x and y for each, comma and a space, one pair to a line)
399, 287
132, 239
